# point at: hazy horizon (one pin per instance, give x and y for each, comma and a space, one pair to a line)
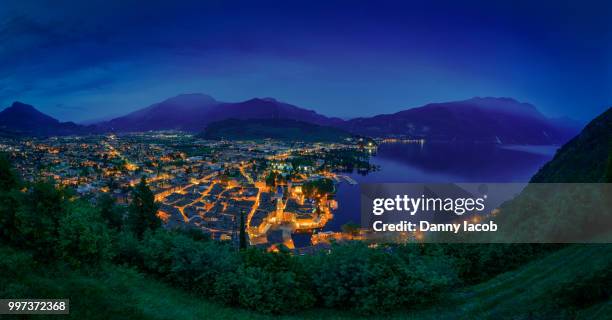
110, 117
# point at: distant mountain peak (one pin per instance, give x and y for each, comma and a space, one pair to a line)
22, 107
490, 99
193, 112
20, 104
24, 119
260, 100
23, 110
191, 98
505, 104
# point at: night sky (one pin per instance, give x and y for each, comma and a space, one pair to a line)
82, 60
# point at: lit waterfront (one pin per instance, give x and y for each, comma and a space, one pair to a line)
279, 187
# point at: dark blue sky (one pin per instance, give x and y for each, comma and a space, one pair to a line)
79, 60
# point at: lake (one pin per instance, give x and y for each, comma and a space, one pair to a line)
441, 163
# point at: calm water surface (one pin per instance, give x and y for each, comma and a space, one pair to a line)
440, 162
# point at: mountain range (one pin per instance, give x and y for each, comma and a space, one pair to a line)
193, 112
24, 119
497, 120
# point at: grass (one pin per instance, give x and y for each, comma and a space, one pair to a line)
122, 293
528, 290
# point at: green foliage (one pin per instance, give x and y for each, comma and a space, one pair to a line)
357, 277
351, 228
155, 252
44, 221
99, 295
318, 187
14, 264
117, 292
194, 233
127, 248
243, 239
110, 212
142, 211
339, 277
84, 238
586, 288
226, 288
347, 160
272, 283
609, 167
479, 262
38, 217
273, 179
302, 160
8, 178
9, 202
189, 263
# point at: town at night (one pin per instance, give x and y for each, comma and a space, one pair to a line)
328, 160
281, 188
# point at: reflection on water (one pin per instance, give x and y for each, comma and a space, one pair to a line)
440, 162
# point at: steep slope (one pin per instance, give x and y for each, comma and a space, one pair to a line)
24, 119
566, 283
585, 157
499, 120
534, 291
182, 112
566, 200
